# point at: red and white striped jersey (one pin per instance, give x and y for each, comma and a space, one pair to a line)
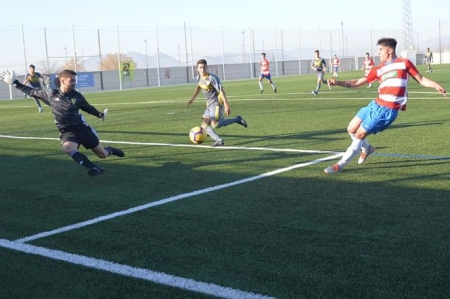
368, 63
335, 62
264, 66
393, 78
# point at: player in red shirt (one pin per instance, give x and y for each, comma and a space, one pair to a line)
265, 73
335, 64
393, 74
368, 64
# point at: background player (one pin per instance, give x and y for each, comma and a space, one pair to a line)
265, 73
320, 66
335, 64
368, 64
35, 79
429, 60
216, 103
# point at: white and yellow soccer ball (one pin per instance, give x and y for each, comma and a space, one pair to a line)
197, 135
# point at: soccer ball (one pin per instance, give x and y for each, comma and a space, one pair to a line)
197, 135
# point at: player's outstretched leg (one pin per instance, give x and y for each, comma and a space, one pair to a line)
228, 121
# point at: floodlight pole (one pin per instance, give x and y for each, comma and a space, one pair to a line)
24, 52
440, 49
146, 60
243, 45
343, 45
65, 49
46, 51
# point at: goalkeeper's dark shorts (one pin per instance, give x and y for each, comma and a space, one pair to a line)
80, 134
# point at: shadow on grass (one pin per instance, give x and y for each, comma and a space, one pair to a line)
293, 235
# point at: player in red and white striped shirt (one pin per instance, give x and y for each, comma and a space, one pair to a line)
368, 64
265, 73
335, 63
393, 74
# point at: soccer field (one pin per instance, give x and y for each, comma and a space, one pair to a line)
256, 218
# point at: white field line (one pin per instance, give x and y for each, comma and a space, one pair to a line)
129, 271
169, 199
253, 97
186, 145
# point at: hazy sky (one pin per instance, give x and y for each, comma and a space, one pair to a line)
228, 13
383, 16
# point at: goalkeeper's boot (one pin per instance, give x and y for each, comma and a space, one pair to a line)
96, 170
115, 151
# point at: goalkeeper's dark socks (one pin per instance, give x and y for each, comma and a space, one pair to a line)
115, 151
81, 159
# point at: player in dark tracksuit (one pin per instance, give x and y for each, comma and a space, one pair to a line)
66, 102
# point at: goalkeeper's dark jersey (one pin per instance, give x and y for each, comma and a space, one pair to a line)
65, 107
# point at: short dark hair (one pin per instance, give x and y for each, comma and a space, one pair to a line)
66, 73
367, 53
388, 42
263, 53
316, 51
32, 66
202, 61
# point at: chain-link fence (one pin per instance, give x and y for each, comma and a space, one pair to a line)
167, 55
51, 48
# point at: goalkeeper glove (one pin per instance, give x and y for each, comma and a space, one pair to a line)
8, 77
103, 114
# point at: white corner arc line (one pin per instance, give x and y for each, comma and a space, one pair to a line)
129, 271
168, 200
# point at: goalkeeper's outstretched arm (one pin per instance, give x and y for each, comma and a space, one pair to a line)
43, 95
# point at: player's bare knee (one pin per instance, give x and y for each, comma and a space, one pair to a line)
101, 152
102, 155
69, 149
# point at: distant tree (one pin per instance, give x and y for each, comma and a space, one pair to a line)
52, 67
70, 65
110, 62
